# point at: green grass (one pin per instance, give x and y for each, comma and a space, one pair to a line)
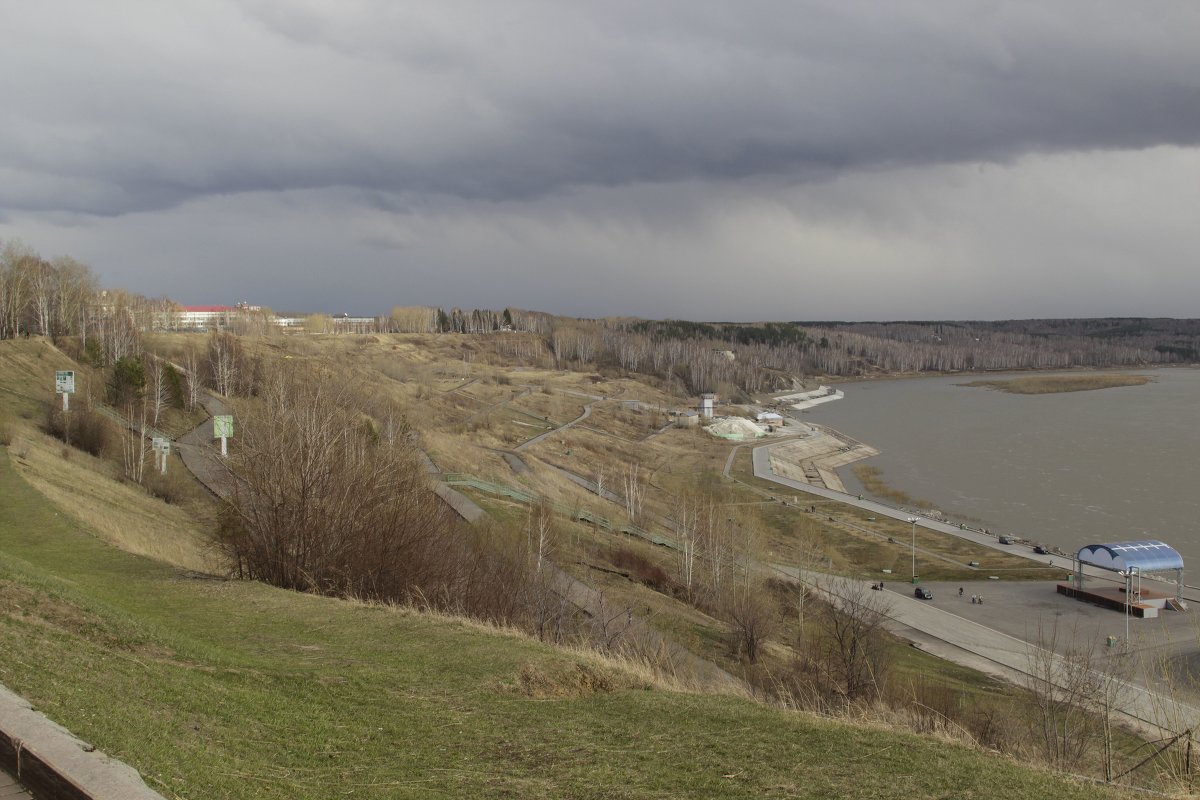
231, 689
857, 542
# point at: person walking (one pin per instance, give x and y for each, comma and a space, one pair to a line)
960, 591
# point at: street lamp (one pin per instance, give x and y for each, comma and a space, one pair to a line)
1128, 591
913, 521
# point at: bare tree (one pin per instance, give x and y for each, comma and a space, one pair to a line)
754, 616
159, 390
853, 650
133, 440
191, 376
635, 491
1065, 688
320, 503
225, 362
542, 530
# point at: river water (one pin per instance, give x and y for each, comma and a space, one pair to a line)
1064, 469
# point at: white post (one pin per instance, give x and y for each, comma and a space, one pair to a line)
913, 522
164, 461
66, 401
1128, 589
224, 447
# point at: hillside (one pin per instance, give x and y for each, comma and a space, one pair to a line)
220, 688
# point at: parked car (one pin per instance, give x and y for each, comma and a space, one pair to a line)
1004, 540
1041, 551
922, 593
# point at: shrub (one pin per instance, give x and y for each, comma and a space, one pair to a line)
128, 380
82, 428
642, 569
174, 488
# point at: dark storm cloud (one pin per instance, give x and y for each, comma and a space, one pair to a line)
128, 106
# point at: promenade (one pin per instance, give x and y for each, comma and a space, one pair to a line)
1006, 634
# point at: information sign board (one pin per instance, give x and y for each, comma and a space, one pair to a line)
162, 444
64, 382
223, 426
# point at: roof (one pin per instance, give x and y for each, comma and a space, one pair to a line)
1148, 555
209, 309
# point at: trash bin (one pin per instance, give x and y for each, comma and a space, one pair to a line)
1112, 640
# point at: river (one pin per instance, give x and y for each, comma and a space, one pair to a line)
1064, 469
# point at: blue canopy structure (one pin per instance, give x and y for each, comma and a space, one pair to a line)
1142, 557
1146, 556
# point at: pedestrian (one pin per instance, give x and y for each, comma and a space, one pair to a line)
980, 599
974, 599
960, 591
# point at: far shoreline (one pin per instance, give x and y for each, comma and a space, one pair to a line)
997, 373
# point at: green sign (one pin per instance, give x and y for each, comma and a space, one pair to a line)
64, 382
223, 426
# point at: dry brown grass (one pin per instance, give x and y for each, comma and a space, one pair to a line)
872, 480
1056, 384
90, 489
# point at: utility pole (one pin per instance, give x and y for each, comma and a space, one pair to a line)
913, 521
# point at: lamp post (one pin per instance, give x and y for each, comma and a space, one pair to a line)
1128, 591
913, 521
1127, 575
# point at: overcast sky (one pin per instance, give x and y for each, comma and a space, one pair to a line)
707, 160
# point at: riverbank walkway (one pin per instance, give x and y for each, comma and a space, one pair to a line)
1005, 635
762, 469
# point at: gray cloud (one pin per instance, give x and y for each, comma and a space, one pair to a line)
553, 154
519, 99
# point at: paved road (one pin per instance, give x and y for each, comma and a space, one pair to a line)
198, 454
587, 412
991, 649
1015, 607
762, 469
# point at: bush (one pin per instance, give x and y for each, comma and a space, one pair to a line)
642, 569
128, 380
175, 392
82, 428
321, 505
174, 488
6, 429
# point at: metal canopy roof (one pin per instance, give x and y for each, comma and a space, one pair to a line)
1147, 556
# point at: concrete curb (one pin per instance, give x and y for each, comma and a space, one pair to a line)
53, 764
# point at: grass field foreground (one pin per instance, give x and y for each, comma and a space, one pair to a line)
234, 690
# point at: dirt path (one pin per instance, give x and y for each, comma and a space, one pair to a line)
587, 412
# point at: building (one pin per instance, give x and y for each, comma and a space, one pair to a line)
202, 317
707, 401
770, 418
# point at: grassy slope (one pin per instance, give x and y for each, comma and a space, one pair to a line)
228, 689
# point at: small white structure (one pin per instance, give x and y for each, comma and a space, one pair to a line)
735, 428
707, 401
687, 419
770, 418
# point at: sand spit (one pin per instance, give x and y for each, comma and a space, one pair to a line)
815, 458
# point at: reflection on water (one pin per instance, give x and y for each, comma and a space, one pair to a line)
1064, 469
